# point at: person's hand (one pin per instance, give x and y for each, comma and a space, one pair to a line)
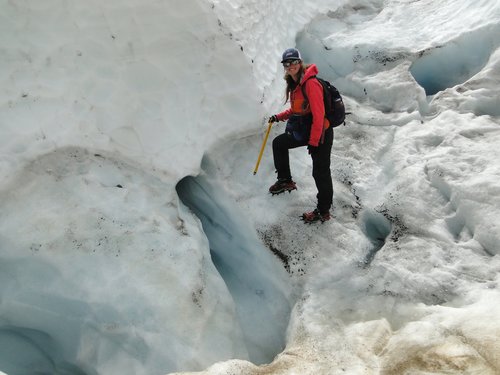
312, 149
273, 118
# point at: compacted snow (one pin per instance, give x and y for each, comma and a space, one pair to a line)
135, 239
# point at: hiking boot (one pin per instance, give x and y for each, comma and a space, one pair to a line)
281, 186
313, 216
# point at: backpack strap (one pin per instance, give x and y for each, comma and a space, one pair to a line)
303, 87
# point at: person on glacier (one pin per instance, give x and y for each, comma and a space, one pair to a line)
306, 126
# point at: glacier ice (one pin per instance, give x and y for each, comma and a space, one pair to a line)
255, 278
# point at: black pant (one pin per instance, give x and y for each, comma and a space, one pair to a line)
321, 165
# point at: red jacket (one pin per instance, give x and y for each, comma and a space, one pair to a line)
314, 92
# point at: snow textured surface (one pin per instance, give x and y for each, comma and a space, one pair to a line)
109, 266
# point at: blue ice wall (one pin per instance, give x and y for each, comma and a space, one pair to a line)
455, 62
255, 278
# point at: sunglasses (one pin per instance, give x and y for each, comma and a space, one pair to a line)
289, 63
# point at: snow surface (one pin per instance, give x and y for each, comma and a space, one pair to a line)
114, 260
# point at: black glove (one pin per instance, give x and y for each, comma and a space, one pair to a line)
312, 149
273, 118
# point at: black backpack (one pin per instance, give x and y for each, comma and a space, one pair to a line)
334, 105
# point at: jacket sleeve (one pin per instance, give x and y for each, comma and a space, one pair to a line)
285, 115
314, 92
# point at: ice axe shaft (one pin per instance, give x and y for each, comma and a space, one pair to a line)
262, 147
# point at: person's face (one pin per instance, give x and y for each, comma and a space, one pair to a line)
292, 66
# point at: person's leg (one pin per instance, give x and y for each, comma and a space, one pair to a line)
281, 144
321, 173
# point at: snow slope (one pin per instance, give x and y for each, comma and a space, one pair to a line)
106, 107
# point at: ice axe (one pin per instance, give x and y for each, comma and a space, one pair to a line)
262, 147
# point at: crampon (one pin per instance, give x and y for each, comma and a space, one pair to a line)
314, 216
281, 186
